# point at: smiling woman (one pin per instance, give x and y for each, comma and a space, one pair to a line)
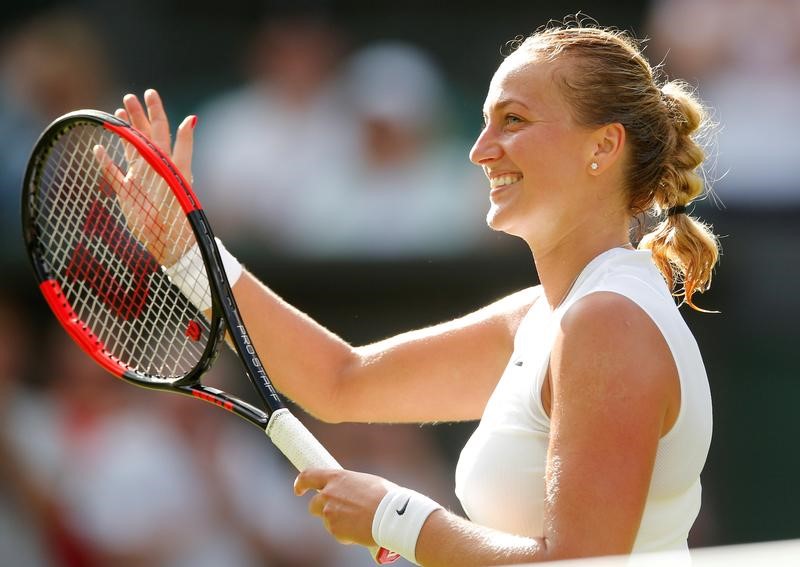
561, 89
594, 406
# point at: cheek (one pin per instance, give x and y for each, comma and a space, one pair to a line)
556, 165
542, 152
544, 172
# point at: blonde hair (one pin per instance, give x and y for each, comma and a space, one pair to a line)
610, 81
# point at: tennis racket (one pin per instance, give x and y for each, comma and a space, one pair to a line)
105, 216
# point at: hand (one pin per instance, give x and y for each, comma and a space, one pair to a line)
141, 194
155, 125
346, 501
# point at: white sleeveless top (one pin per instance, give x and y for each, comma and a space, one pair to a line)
500, 474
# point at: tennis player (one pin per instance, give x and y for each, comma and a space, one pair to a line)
594, 406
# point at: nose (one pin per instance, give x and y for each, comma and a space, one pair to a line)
486, 148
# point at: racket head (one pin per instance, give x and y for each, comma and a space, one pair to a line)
103, 212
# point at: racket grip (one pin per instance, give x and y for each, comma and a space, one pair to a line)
297, 443
304, 451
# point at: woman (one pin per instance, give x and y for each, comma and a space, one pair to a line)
594, 404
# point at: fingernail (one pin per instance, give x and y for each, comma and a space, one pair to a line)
193, 122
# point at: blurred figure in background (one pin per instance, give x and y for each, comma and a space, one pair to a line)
752, 77
114, 469
411, 190
322, 156
266, 149
27, 516
51, 64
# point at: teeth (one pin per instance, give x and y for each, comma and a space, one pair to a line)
503, 180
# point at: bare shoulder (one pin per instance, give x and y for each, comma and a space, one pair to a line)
606, 315
609, 341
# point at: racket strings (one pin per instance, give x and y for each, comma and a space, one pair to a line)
154, 214
107, 223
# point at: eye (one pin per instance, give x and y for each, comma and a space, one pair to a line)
512, 119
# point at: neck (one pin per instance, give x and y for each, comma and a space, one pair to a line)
559, 265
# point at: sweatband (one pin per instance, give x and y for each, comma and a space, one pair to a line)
398, 520
188, 274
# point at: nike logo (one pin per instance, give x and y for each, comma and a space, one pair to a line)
401, 511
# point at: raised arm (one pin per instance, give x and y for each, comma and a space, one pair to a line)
441, 373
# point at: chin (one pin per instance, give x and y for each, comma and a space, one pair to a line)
497, 221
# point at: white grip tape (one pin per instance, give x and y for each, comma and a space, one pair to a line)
304, 451
189, 274
297, 443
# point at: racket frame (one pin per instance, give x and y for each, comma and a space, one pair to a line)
224, 312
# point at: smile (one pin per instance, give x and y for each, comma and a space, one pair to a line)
503, 180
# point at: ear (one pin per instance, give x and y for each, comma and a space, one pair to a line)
608, 143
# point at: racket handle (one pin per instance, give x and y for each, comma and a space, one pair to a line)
297, 443
304, 451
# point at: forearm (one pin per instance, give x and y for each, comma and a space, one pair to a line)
447, 540
440, 373
406, 378
305, 360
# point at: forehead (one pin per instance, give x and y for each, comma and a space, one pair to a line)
523, 77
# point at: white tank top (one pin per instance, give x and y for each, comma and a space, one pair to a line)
500, 474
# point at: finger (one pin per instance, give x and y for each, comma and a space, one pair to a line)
135, 110
122, 114
110, 171
130, 153
316, 505
311, 479
159, 124
184, 144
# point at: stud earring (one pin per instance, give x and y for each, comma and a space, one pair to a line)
594, 166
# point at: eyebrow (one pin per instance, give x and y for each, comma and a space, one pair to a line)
506, 102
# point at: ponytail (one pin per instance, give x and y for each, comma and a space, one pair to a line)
684, 248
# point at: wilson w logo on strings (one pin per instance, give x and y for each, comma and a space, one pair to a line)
122, 284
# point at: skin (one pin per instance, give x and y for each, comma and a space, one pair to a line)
161, 228
612, 389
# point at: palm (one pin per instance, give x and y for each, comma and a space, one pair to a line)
152, 213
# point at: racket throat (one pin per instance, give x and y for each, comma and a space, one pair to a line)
254, 367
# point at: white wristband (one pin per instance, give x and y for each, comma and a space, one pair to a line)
398, 520
189, 274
